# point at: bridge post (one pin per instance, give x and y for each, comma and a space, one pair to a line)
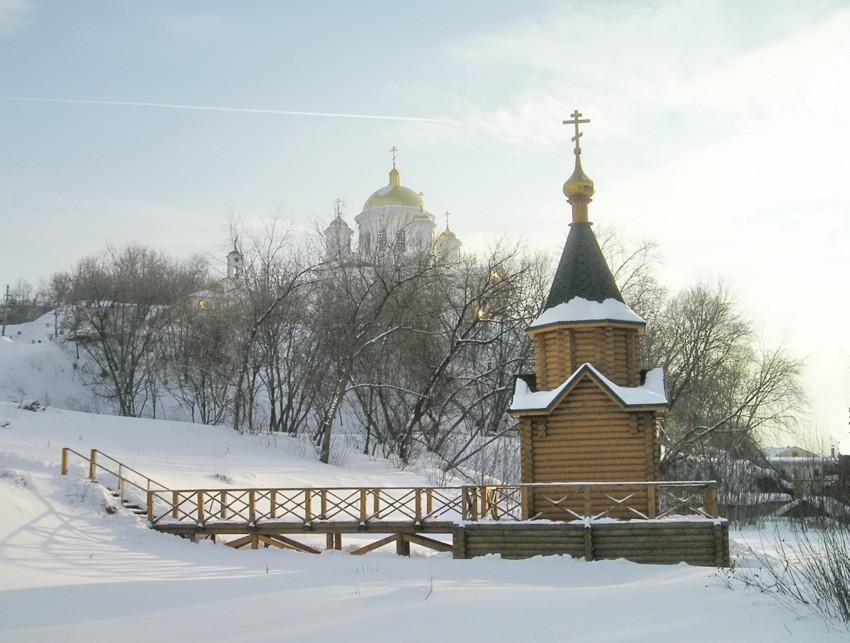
93, 465
402, 546
710, 500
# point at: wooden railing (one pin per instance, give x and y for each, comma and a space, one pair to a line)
623, 500
129, 484
396, 505
419, 505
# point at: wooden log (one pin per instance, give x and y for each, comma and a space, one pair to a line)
222, 499
64, 469
283, 542
430, 543
239, 542
402, 546
308, 511
459, 542
200, 503
365, 549
93, 465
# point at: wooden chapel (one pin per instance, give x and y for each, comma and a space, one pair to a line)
588, 414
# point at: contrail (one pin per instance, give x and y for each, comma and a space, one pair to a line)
222, 109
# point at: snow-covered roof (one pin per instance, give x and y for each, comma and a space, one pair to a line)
651, 394
788, 452
579, 309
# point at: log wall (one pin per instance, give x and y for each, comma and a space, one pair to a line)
614, 350
588, 438
696, 542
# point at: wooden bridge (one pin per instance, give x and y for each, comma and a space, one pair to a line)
596, 520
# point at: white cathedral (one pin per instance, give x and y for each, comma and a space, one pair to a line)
394, 220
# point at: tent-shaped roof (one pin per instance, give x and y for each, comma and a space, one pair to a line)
582, 271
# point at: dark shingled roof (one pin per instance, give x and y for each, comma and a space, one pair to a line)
582, 271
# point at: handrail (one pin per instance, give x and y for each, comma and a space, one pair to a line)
417, 505
429, 504
120, 474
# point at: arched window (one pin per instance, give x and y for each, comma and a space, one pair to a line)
401, 241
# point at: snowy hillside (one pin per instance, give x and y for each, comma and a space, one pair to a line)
72, 568
33, 368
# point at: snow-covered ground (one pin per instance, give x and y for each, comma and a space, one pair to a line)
72, 569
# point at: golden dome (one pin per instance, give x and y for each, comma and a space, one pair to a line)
338, 223
579, 184
394, 194
447, 234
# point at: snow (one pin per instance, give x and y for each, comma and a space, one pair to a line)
579, 309
72, 568
650, 393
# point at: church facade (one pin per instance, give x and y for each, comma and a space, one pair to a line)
394, 221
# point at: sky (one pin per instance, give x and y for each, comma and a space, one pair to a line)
717, 130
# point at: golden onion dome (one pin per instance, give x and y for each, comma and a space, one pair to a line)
447, 234
394, 194
338, 223
579, 184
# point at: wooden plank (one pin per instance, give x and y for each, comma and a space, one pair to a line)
430, 543
282, 541
239, 542
375, 545
608, 540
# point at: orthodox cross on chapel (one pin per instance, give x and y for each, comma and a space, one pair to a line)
576, 120
588, 413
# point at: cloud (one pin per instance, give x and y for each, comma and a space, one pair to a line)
634, 66
13, 15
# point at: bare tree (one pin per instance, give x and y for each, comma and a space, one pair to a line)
122, 300
634, 263
197, 350
268, 301
443, 381
724, 391
360, 304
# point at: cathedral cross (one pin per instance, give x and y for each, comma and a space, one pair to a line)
447, 219
394, 150
337, 208
576, 119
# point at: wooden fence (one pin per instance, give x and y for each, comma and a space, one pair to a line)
264, 515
